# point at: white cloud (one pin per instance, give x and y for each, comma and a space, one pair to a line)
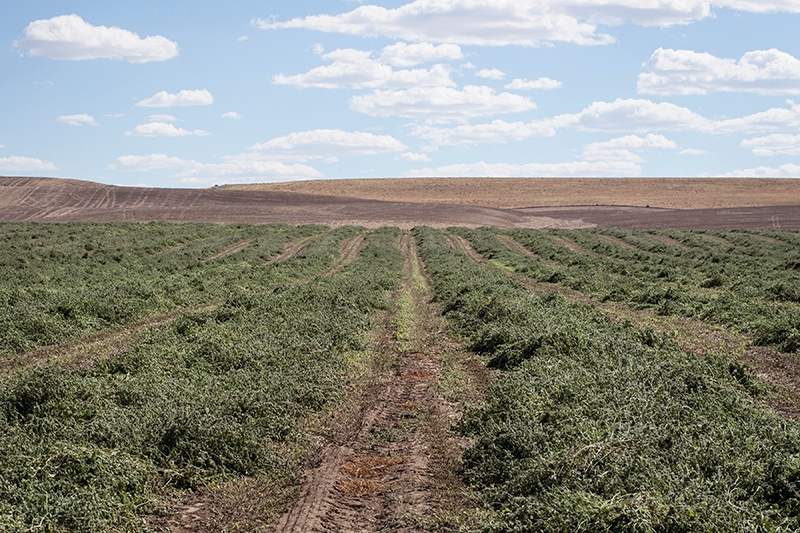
182, 99
760, 6
498, 131
359, 70
511, 22
163, 118
24, 164
414, 157
491, 74
440, 103
409, 55
234, 169
776, 144
767, 72
163, 129
231, 114
543, 84
78, 120
70, 37
635, 116
464, 22
693, 151
625, 148
568, 169
327, 145
774, 119
788, 170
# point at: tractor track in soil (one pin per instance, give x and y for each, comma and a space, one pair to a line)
390, 464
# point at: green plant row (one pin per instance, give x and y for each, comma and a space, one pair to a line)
743, 282
600, 426
213, 396
81, 278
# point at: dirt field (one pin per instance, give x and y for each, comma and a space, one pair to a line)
502, 202
508, 193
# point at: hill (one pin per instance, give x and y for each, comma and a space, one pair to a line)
502, 202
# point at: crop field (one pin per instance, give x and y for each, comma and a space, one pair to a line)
193, 377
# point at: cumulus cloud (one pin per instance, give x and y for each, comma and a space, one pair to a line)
78, 120
70, 37
163, 129
511, 22
505, 170
359, 70
232, 115
16, 163
774, 119
634, 115
463, 22
491, 74
184, 98
788, 170
767, 72
776, 144
626, 148
440, 103
248, 167
542, 84
327, 145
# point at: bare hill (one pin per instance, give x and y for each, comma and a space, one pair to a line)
505, 193
434, 202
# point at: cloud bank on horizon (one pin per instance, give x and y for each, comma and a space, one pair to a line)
195, 95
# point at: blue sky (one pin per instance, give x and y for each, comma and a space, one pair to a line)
197, 93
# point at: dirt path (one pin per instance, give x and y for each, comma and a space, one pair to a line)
230, 250
389, 462
347, 253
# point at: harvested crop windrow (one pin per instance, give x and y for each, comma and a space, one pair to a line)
750, 285
213, 396
62, 282
602, 426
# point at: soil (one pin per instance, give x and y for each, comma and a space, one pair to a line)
655, 203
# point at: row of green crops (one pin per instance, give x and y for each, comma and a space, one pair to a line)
600, 426
63, 281
747, 281
212, 396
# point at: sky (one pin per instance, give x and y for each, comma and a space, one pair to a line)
196, 93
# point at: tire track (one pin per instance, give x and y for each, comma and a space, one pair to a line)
386, 463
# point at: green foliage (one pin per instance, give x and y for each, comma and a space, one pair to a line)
599, 426
741, 279
212, 396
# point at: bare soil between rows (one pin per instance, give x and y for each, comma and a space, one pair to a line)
654, 203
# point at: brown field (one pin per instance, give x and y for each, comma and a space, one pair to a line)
509, 193
657, 203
